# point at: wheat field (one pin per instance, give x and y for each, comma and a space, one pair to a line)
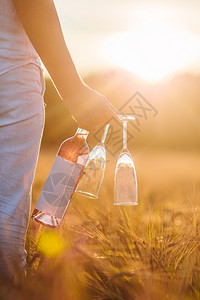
107, 252
101, 251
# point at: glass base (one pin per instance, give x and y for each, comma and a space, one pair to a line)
45, 219
126, 203
87, 194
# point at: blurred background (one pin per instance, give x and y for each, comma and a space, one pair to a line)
144, 56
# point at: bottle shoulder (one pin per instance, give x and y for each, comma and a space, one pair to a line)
74, 147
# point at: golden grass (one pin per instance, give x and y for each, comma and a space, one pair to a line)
147, 252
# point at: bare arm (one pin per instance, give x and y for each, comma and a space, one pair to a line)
41, 23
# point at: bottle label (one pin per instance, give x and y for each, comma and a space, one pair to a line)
59, 187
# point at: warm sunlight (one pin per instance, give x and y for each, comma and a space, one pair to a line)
153, 50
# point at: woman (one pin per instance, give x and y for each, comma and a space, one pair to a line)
29, 29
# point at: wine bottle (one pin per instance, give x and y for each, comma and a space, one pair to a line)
62, 180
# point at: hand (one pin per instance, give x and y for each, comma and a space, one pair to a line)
91, 109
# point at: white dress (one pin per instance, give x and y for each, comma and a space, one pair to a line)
21, 126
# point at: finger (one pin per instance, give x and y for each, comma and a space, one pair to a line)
114, 110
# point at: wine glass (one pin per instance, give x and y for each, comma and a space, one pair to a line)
92, 178
125, 184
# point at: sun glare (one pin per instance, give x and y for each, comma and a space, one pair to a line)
153, 50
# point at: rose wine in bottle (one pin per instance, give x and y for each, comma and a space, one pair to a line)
62, 180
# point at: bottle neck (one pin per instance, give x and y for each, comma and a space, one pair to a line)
82, 133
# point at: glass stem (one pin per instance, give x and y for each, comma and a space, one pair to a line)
124, 134
105, 133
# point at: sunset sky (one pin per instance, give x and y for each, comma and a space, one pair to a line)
153, 39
